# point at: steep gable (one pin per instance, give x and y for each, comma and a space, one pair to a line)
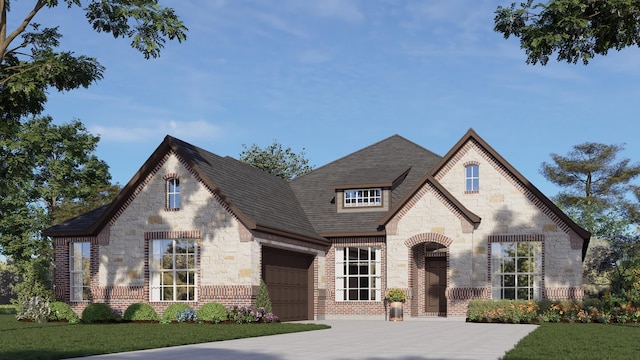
472, 140
259, 200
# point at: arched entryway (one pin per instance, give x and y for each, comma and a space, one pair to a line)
428, 280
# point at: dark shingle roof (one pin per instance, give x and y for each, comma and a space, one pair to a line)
383, 162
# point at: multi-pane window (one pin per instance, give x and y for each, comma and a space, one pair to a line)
358, 274
472, 178
173, 193
362, 197
173, 270
516, 270
79, 270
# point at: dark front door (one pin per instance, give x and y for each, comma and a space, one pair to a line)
436, 285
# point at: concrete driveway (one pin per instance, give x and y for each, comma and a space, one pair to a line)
357, 339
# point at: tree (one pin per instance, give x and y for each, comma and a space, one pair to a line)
616, 264
596, 183
283, 163
30, 63
576, 30
51, 168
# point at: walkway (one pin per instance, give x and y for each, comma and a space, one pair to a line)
357, 339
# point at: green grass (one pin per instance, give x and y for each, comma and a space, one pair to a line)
578, 341
26, 340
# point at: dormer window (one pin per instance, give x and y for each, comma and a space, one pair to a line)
173, 193
472, 179
363, 197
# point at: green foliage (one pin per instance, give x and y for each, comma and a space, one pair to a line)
213, 311
263, 300
62, 311
174, 310
99, 312
140, 312
617, 262
35, 281
8, 279
275, 160
574, 30
26, 340
7, 310
31, 62
396, 295
35, 309
516, 311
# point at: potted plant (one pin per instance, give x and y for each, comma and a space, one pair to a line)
396, 297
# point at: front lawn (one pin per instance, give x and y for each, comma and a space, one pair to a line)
55, 340
578, 341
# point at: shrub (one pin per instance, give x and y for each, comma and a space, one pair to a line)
35, 309
262, 299
99, 312
396, 295
7, 310
249, 314
172, 312
187, 315
62, 311
516, 311
214, 312
140, 312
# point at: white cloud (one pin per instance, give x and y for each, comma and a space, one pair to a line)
180, 129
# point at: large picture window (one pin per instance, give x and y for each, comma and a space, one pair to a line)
358, 274
173, 267
363, 197
79, 270
516, 270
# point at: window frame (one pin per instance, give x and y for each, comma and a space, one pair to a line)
472, 180
359, 198
507, 260
348, 286
172, 191
159, 286
80, 276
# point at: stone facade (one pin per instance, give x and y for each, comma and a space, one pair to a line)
432, 224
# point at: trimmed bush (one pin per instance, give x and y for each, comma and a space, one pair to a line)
62, 311
262, 299
515, 311
99, 312
173, 311
213, 311
140, 312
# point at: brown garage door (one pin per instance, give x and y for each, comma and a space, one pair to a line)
289, 278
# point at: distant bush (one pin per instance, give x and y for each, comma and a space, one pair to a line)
213, 311
62, 311
99, 312
172, 312
7, 309
140, 312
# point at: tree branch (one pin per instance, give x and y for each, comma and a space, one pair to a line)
20, 29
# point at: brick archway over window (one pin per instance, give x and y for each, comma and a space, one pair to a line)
428, 237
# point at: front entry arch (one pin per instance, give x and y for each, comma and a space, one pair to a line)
428, 275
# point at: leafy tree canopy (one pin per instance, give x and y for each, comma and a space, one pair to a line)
273, 159
592, 174
30, 62
50, 171
576, 30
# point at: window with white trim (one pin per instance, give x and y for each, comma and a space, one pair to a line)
472, 179
172, 270
79, 270
363, 197
173, 193
516, 270
358, 274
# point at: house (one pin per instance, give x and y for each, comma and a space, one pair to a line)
196, 227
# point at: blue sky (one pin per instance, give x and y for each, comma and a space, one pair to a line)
334, 76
